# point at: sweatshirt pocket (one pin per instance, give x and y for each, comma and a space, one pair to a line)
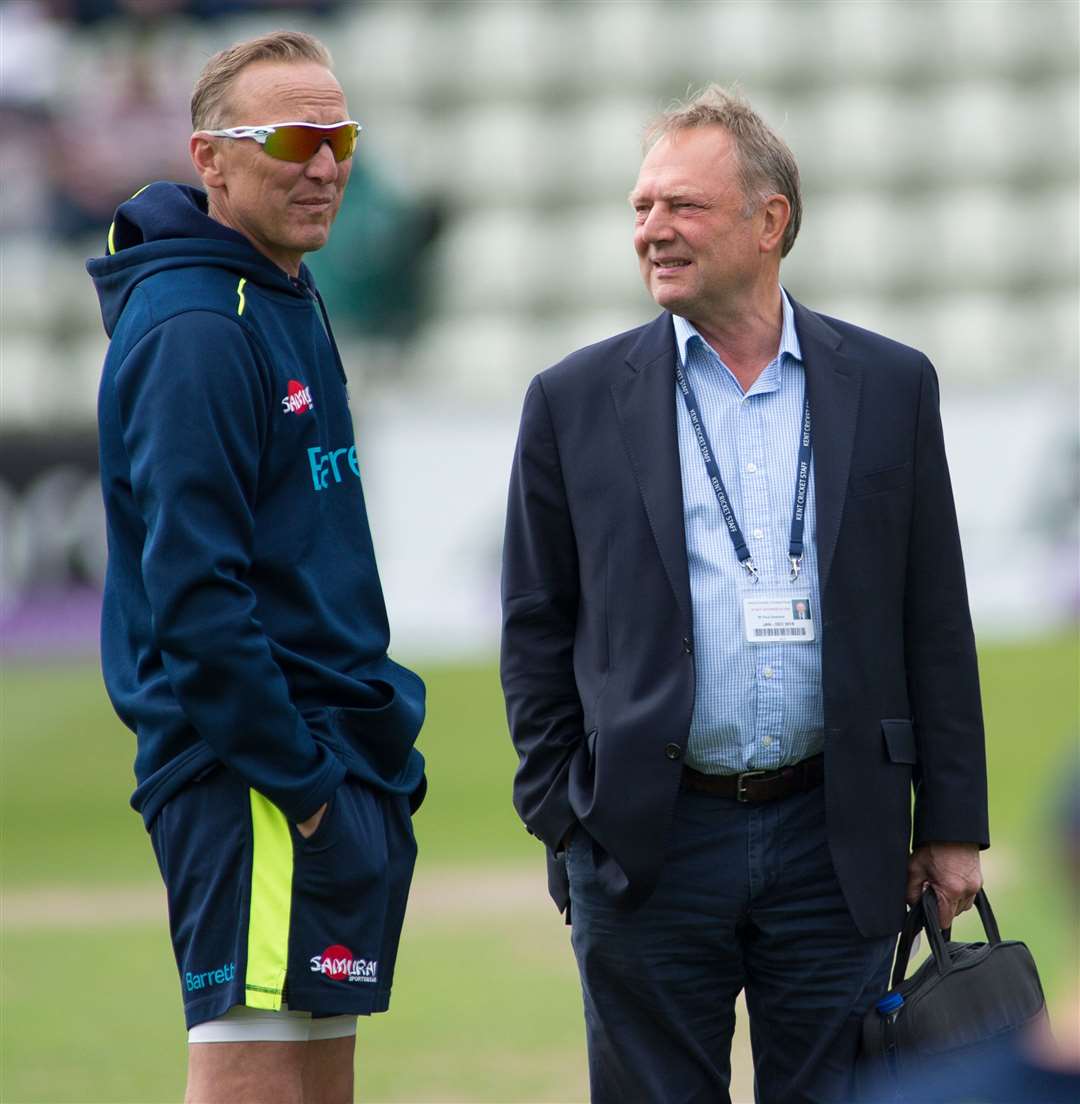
382, 734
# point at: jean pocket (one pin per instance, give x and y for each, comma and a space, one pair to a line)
579, 853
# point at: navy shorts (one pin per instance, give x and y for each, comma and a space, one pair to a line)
260, 915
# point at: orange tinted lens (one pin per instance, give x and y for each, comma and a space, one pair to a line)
301, 143
343, 141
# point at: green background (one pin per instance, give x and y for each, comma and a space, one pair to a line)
486, 1005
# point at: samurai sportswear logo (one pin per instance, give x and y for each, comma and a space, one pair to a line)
337, 962
298, 400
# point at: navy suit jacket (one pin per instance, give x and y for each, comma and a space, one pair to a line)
597, 653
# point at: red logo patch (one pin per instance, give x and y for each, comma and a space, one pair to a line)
298, 400
337, 962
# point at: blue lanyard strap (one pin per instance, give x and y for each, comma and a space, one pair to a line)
802, 479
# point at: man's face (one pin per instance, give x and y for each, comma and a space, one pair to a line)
696, 246
285, 209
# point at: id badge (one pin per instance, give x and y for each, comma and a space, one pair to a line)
781, 619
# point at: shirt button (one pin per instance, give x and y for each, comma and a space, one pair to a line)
687, 646
759, 533
768, 672
673, 751
766, 740
751, 468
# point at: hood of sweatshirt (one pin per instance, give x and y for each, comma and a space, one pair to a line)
165, 226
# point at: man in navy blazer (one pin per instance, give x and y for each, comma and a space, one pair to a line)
725, 786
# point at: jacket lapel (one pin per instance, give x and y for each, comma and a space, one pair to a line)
833, 383
644, 394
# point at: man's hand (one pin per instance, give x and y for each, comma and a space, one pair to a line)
952, 870
308, 827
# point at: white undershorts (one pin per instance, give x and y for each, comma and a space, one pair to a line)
260, 1025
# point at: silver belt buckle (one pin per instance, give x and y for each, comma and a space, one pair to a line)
740, 783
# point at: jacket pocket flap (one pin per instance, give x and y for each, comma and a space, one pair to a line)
900, 740
886, 479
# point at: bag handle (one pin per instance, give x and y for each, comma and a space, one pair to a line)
986, 915
926, 917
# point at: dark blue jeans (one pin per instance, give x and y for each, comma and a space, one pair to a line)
748, 900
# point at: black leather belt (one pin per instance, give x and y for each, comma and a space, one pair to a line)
756, 786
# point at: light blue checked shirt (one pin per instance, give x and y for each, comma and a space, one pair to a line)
756, 706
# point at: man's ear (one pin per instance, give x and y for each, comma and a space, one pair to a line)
207, 157
777, 209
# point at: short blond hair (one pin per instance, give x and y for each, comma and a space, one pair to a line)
210, 94
766, 163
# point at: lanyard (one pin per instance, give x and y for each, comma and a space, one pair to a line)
798, 513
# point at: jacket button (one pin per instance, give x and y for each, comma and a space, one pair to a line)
673, 751
687, 647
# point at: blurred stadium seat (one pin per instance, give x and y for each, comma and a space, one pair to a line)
938, 144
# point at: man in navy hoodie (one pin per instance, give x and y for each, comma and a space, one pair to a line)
244, 633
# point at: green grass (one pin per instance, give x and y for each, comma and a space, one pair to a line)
471, 765
480, 1014
65, 782
477, 1015
67, 777
91, 1016
1031, 700
484, 1010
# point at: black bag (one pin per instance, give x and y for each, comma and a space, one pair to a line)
965, 1002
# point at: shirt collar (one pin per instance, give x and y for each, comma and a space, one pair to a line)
789, 339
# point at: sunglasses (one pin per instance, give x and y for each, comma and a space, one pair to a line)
297, 142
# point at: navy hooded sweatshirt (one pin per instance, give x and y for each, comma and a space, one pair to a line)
243, 618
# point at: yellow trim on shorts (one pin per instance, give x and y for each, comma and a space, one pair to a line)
270, 906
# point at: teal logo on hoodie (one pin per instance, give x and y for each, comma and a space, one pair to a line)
325, 464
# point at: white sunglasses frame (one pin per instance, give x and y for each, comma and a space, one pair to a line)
262, 132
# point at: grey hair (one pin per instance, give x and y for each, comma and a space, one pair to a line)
766, 163
208, 98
